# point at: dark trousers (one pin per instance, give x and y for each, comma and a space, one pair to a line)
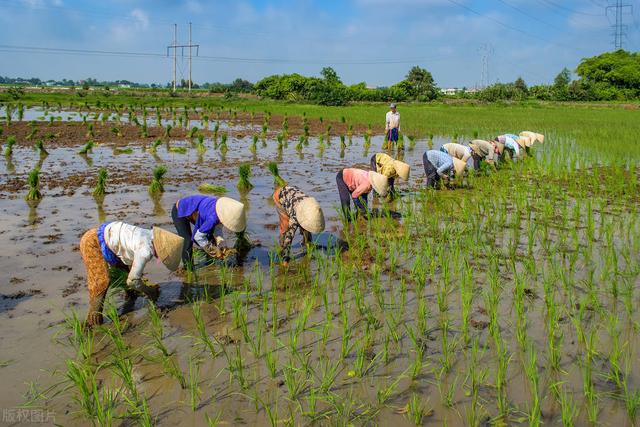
476, 161
432, 173
183, 227
345, 198
374, 167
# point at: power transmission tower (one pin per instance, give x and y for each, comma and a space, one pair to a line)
485, 50
175, 47
619, 28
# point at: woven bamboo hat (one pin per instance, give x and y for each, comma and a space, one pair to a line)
309, 214
232, 214
459, 166
402, 169
524, 141
379, 182
168, 247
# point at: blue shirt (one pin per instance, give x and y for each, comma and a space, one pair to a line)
206, 207
442, 161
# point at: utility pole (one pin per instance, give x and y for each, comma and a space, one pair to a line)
175, 47
619, 29
486, 50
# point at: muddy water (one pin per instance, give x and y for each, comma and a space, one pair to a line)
43, 277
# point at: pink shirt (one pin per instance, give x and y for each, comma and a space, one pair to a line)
357, 181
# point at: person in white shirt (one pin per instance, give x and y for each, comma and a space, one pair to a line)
392, 123
125, 246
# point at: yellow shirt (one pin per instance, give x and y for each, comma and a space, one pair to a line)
384, 165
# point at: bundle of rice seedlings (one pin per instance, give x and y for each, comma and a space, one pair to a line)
101, 183
157, 182
212, 189
87, 148
40, 147
245, 172
8, 150
34, 185
155, 145
277, 179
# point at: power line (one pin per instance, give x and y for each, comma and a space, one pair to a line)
525, 13
619, 28
248, 60
566, 9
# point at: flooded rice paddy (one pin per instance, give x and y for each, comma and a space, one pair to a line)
508, 301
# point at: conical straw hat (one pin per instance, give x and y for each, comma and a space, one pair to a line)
309, 215
499, 146
168, 247
459, 166
402, 169
379, 182
231, 214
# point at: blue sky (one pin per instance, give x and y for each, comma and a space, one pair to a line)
375, 41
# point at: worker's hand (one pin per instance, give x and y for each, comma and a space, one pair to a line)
213, 251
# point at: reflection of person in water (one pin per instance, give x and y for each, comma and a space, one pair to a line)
356, 184
207, 214
128, 247
296, 211
391, 168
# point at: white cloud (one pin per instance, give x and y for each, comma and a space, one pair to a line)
141, 18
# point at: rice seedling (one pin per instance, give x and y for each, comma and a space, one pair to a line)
87, 148
277, 179
416, 410
90, 132
39, 146
167, 131
194, 382
156, 185
244, 171
32, 133
154, 146
200, 144
116, 132
126, 150
34, 185
99, 189
178, 150
192, 133
254, 144
8, 149
223, 143
212, 189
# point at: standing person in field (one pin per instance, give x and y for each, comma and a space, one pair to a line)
124, 246
439, 166
391, 168
456, 150
296, 211
392, 123
356, 184
483, 151
207, 215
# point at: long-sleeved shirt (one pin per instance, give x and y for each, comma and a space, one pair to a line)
458, 151
357, 181
207, 228
392, 120
287, 198
510, 143
442, 161
384, 165
133, 245
486, 149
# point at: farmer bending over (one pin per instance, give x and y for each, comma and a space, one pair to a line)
391, 168
356, 184
296, 211
128, 247
206, 214
457, 151
483, 151
392, 123
510, 146
441, 166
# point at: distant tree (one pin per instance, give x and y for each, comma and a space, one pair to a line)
241, 85
561, 85
330, 76
612, 75
420, 84
521, 85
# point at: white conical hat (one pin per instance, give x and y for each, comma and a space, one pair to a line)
309, 215
402, 169
231, 214
524, 141
459, 166
379, 182
533, 135
168, 247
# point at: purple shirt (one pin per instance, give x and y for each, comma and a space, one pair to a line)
206, 207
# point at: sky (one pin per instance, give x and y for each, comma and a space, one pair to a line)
371, 41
